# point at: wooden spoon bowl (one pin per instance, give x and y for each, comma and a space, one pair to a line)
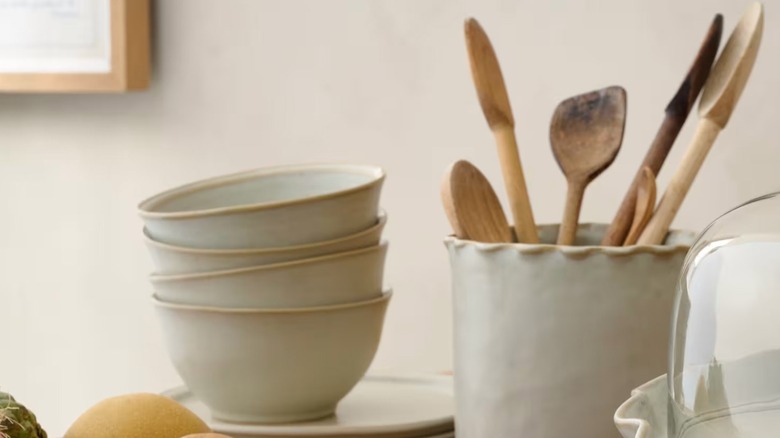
586, 133
472, 206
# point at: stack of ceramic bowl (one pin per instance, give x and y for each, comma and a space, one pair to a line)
268, 286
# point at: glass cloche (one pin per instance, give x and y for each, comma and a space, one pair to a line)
724, 376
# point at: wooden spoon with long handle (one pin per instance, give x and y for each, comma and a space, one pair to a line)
494, 100
719, 97
645, 204
585, 133
472, 206
676, 113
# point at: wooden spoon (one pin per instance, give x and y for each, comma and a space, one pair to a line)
472, 206
494, 100
676, 113
645, 204
719, 97
586, 132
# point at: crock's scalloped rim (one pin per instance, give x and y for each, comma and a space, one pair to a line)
579, 251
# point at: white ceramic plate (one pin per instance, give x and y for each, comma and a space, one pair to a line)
380, 406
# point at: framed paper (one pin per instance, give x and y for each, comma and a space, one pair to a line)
74, 45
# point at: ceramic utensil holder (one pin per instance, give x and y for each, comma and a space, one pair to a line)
550, 339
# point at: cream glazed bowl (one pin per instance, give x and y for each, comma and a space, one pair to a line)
319, 281
171, 259
267, 208
272, 365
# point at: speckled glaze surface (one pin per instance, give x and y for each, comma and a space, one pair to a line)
550, 338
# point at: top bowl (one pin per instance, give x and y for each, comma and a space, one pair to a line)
270, 207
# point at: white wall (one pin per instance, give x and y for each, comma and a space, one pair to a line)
247, 83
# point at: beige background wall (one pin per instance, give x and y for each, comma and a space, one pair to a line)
246, 83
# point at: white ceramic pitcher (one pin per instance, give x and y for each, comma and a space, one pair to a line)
550, 339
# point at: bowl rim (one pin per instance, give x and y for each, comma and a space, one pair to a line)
577, 251
387, 293
155, 278
147, 206
380, 223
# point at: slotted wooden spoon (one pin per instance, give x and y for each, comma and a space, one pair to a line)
585, 133
472, 206
718, 99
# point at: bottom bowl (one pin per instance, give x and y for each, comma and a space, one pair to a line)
272, 365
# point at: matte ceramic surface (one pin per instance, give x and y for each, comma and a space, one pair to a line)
548, 338
381, 406
272, 366
267, 208
333, 279
171, 259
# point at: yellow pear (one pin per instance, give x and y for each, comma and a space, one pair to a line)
137, 416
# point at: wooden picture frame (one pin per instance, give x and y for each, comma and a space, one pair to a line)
129, 59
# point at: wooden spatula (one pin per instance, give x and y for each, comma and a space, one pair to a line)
494, 100
718, 99
676, 113
645, 204
472, 206
586, 133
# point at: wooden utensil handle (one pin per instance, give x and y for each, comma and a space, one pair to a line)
633, 233
706, 133
654, 159
512, 170
571, 213
645, 204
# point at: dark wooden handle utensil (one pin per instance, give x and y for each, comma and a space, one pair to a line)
586, 132
472, 206
645, 204
676, 113
494, 100
718, 98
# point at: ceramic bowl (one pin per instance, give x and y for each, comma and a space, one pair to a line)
267, 208
320, 281
272, 366
171, 259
